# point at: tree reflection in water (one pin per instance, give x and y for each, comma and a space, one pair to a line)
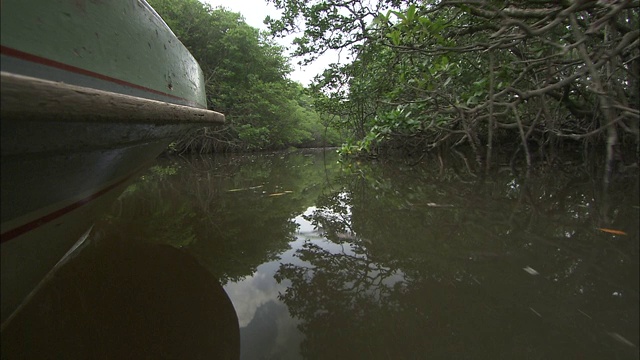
434, 268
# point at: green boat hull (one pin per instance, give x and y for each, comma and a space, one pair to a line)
92, 92
119, 46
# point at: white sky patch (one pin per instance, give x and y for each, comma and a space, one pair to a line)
248, 295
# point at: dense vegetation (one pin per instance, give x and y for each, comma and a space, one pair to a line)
246, 79
533, 77
526, 78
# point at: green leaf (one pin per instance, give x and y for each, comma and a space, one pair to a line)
400, 15
411, 12
394, 36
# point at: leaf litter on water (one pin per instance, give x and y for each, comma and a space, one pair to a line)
613, 231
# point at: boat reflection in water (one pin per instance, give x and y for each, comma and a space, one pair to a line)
125, 298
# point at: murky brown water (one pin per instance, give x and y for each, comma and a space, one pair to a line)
294, 255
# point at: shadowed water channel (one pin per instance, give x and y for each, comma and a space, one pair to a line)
326, 260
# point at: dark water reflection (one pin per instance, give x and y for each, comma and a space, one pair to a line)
384, 260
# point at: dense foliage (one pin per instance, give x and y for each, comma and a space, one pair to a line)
246, 79
535, 75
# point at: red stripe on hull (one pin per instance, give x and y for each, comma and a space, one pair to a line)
52, 63
13, 233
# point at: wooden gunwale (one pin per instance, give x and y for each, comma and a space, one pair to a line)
26, 96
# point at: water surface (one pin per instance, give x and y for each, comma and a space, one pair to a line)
323, 259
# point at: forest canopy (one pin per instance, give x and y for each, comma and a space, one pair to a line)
536, 75
246, 78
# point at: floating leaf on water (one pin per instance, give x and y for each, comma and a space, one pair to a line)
429, 204
235, 190
613, 231
584, 313
530, 270
534, 311
621, 339
281, 193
